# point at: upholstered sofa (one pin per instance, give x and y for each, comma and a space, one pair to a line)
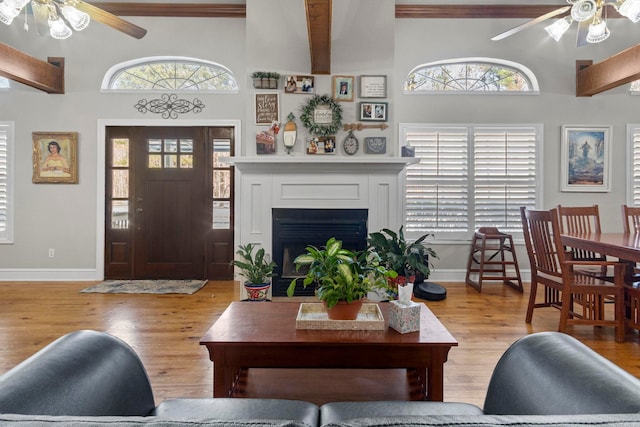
89, 378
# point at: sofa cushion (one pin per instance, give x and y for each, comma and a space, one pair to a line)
81, 373
239, 409
551, 373
339, 411
611, 420
15, 420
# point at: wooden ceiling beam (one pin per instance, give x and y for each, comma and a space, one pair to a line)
617, 70
178, 10
319, 14
18, 66
489, 11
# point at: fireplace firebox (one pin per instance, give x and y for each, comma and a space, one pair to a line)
295, 229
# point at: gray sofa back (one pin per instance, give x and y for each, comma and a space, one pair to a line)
553, 373
81, 373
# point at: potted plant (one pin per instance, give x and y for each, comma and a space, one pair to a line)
257, 269
411, 260
258, 82
273, 80
342, 277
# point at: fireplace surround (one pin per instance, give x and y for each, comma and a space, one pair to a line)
265, 183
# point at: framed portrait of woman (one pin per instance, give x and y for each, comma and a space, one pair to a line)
55, 157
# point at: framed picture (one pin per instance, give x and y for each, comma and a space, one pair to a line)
267, 108
265, 142
321, 145
375, 144
373, 111
299, 84
373, 86
343, 88
55, 157
586, 158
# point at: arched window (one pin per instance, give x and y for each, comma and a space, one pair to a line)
173, 74
471, 75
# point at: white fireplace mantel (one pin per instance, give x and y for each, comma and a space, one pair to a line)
319, 163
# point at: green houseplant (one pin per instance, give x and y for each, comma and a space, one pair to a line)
411, 260
257, 269
340, 275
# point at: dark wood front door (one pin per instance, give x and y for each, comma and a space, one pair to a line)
162, 218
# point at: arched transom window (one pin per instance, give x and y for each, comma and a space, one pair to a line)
471, 75
169, 74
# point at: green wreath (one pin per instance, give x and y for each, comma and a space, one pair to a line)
322, 129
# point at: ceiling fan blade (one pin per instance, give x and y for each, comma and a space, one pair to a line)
111, 20
531, 23
581, 35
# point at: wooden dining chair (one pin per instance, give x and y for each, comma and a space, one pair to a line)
566, 287
583, 220
630, 219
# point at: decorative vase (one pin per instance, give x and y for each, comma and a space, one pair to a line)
257, 292
344, 310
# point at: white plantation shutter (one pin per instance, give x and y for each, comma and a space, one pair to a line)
469, 177
633, 196
437, 188
6, 183
504, 176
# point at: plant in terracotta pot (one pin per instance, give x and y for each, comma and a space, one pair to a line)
257, 269
412, 260
341, 276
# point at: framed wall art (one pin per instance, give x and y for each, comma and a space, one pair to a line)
299, 84
343, 88
375, 144
267, 108
373, 111
373, 86
586, 158
55, 157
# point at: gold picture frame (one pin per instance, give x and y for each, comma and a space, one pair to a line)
343, 88
55, 157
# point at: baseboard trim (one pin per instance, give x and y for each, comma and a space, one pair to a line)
49, 275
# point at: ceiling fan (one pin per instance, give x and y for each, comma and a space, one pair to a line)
58, 17
589, 14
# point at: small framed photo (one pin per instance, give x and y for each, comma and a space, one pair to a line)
586, 157
267, 107
299, 84
343, 88
321, 145
373, 111
55, 158
373, 86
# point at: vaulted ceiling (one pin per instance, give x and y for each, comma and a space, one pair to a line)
319, 20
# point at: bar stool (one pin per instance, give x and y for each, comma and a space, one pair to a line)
493, 257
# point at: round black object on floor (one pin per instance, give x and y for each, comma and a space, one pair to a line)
429, 291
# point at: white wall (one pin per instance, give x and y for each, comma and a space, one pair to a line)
368, 40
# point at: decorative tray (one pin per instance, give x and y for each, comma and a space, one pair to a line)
314, 316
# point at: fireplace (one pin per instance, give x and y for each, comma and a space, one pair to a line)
295, 229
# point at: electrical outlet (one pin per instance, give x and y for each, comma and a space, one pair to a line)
52, 253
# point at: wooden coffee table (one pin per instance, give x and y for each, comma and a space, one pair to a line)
264, 335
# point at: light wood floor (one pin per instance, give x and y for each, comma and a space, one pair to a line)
165, 331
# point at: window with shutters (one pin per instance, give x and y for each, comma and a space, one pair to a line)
470, 177
6, 182
633, 166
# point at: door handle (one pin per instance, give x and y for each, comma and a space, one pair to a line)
138, 210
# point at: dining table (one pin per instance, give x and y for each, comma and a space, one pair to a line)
624, 246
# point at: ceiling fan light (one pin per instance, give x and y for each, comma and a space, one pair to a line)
630, 9
58, 29
558, 28
76, 18
9, 9
583, 10
598, 32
